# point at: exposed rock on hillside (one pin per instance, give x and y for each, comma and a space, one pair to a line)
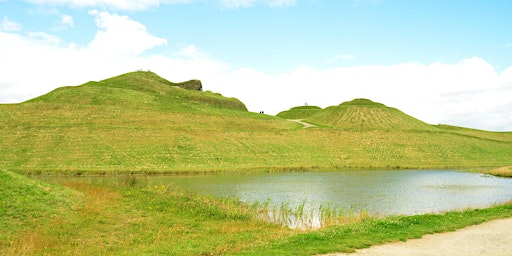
194, 85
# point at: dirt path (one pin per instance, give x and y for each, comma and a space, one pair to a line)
306, 125
490, 238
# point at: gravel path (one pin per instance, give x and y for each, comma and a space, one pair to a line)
306, 125
491, 238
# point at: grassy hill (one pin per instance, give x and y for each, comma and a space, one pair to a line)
364, 115
141, 122
26, 202
301, 112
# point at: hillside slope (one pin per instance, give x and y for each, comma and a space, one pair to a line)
301, 112
140, 122
139, 89
364, 114
26, 202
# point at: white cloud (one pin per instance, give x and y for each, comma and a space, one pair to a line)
280, 3
193, 52
469, 93
341, 58
373, 2
9, 25
250, 3
42, 38
139, 5
67, 21
51, 63
238, 3
121, 35
133, 5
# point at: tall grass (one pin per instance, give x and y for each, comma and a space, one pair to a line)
124, 216
505, 171
306, 216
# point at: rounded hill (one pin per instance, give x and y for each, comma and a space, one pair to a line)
301, 112
141, 89
364, 114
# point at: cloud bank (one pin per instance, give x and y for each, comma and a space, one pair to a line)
140, 5
470, 93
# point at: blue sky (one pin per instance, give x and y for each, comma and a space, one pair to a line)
440, 61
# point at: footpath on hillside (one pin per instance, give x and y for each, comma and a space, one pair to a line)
491, 238
299, 121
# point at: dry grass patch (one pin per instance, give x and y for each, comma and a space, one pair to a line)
505, 171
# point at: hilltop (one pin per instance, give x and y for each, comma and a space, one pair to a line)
301, 112
364, 114
140, 89
141, 122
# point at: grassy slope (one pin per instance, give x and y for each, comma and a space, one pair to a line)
364, 115
26, 202
142, 122
347, 238
301, 112
120, 216
123, 216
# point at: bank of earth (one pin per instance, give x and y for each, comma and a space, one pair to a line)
143, 124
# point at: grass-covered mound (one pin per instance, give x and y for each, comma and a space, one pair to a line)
26, 202
121, 215
366, 115
302, 112
139, 90
505, 171
140, 122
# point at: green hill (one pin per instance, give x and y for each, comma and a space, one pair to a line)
140, 122
26, 202
301, 112
140, 90
364, 115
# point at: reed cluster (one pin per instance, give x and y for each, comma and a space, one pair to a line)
306, 216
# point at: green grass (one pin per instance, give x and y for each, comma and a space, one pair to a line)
140, 122
25, 202
122, 215
366, 115
505, 171
302, 112
347, 238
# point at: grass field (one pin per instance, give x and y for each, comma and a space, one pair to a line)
139, 122
302, 112
505, 171
121, 215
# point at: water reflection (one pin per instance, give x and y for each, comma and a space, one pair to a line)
378, 192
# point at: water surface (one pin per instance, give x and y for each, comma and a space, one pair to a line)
404, 192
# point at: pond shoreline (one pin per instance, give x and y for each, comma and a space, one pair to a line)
486, 239
492, 170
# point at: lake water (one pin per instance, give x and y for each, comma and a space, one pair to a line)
404, 192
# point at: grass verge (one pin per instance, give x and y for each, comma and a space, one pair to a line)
500, 172
368, 232
124, 216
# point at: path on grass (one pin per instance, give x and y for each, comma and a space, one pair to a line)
299, 121
490, 238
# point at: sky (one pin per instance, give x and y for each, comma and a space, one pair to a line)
440, 61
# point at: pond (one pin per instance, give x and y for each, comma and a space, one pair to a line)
404, 192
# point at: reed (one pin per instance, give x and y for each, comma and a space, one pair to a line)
306, 216
501, 172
